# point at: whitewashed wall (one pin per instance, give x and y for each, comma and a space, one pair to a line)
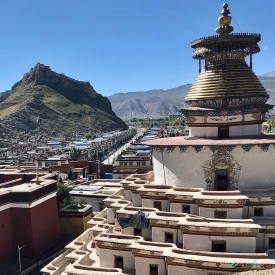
240, 130
260, 246
268, 211
136, 199
107, 258
203, 131
232, 213
143, 266
263, 241
233, 244
158, 234
185, 169
110, 215
150, 203
177, 207
266, 241
127, 195
146, 232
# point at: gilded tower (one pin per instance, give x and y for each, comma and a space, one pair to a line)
227, 99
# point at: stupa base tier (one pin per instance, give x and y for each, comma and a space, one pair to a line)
226, 131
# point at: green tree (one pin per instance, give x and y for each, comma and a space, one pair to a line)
90, 135
63, 194
133, 131
75, 154
81, 202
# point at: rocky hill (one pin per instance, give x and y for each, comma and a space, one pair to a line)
156, 103
47, 101
153, 103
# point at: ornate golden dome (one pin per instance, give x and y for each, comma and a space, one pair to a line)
226, 80
235, 82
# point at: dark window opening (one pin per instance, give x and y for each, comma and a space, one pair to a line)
186, 209
221, 180
153, 269
258, 212
224, 132
271, 243
220, 215
118, 262
218, 246
157, 204
137, 232
169, 238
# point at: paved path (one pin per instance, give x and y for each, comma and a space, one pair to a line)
111, 158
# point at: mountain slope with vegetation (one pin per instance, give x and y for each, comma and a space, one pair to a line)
47, 101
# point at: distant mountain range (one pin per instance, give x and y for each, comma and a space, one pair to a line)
151, 103
47, 102
155, 103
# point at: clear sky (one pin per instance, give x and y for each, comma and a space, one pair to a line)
122, 45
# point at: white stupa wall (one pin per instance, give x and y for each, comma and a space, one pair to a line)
106, 258
185, 169
143, 265
234, 131
232, 213
204, 243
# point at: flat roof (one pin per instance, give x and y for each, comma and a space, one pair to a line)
178, 141
86, 188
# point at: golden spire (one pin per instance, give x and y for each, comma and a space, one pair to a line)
224, 21
37, 177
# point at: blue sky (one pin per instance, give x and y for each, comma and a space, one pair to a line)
122, 45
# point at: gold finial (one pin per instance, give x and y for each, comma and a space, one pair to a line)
37, 177
224, 21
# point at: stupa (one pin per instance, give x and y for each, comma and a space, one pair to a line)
227, 99
226, 106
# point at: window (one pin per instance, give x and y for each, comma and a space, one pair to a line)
258, 212
125, 163
120, 163
271, 243
130, 163
138, 163
169, 238
143, 163
186, 209
218, 246
118, 262
220, 215
137, 232
224, 132
153, 269
157, 204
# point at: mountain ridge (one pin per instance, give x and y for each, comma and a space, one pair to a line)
44, 100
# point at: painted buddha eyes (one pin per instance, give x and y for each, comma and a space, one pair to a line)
229, 118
